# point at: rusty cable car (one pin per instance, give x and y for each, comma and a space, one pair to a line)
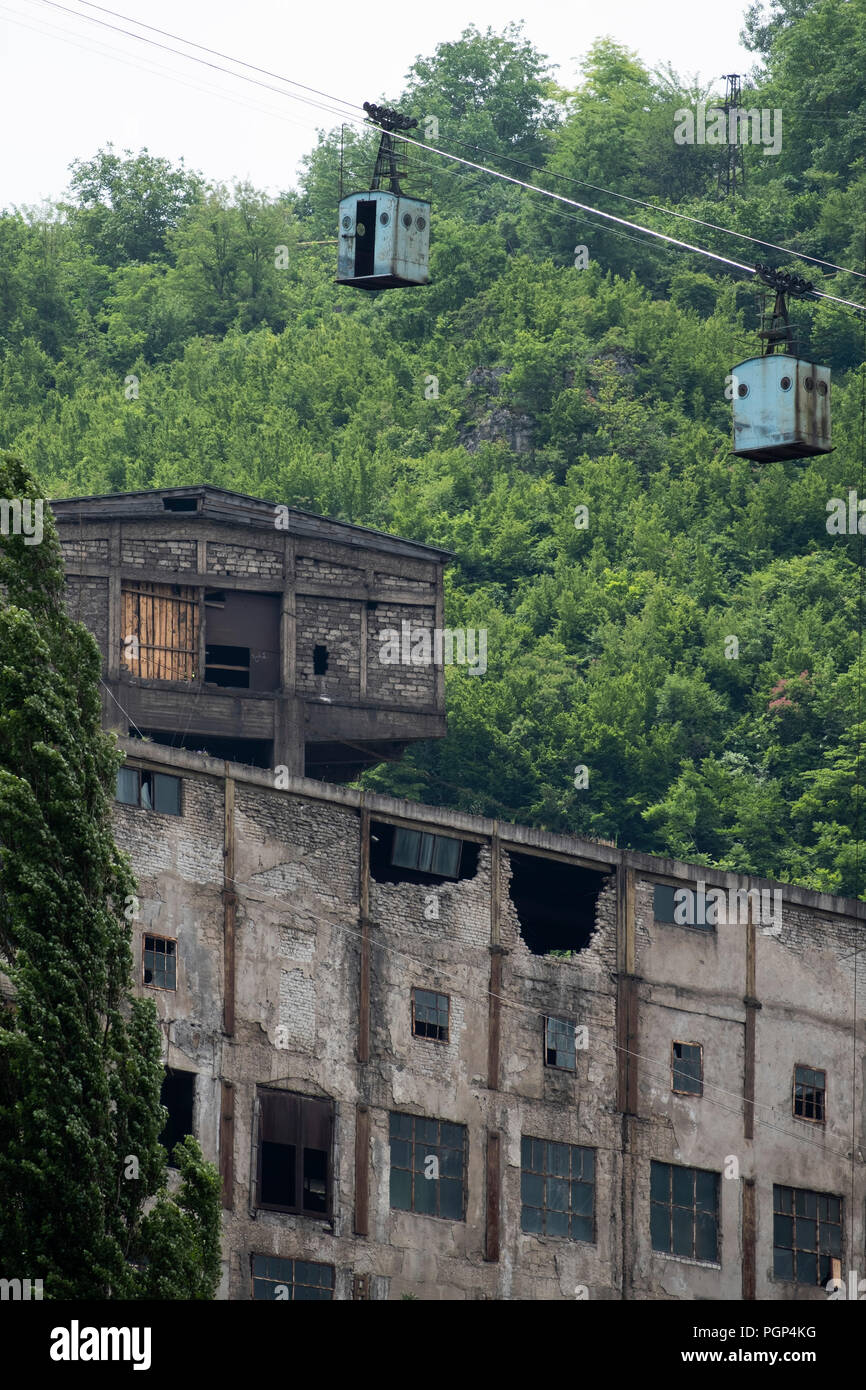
384, 235
781, 402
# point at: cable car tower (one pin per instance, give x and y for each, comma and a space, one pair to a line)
781, 402
384, 235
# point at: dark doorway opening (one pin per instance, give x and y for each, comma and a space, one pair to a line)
177, 1095
365, 237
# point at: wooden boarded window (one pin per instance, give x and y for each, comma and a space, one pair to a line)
160, 630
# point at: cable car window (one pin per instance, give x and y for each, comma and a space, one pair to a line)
347, 221
407, 219
785, 383
384, 219
420, 223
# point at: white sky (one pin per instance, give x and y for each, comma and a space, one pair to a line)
68, 86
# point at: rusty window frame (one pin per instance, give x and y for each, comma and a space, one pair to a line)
412, 1140
681, 1074
303, 1102
166, 955
566, 1030
796, 1211
677, 1190
435, 1013
557, 1183
305, 1280
812, 1095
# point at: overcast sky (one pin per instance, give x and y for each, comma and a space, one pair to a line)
69, 86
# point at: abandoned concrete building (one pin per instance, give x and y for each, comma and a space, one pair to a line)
436, 1055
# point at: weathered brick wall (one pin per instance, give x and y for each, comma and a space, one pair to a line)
161, 555
85, 551
335, 624
87, 602
395, 683
313, 570
244, 561
386, 580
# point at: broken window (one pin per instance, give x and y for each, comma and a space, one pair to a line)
295, 1280
159, 962
242, 639
153, 791
691, 913
320, 661
687, 1068
159, 630
429, 854
402, 855
807, 1234
559, 1044
555, 903
430, 1015
294, 1152
177, 1095
428, 1159
557, 1189
810, 1091
684, 1211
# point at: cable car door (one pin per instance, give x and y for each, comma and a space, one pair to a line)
365, 237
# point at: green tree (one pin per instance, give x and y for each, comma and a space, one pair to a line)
83, 1198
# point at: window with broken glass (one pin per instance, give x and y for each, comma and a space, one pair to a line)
557, 1189
428, 854
807, 1234
430, 1015
684, 1211
294, 1153
810, 1091
559, 1044
428, 1164
153, 791
159, 962
687, 1068
291, 1280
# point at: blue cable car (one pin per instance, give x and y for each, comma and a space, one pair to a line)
781, 402
384, 235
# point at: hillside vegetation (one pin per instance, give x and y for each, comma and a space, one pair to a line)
150, 336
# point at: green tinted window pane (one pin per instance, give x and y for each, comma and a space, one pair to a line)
426, 1131
531, 1220
446, 856
783, 1230
260, 1264
539, 1155
305, 1295
400, 1189
451, 1199
425, 855
807, 1234
807, 1268
262, 1290
823, 1208
834, 1208
683, 1187
424, 999
660, 1182
663, 903
706, 1247
405, 851
783, 1198
581, 1198
560, 1160
558, 1195
830, 1239
400, 1149
660, 1226
556, 1223
684, 1231
451, 1163
127, 786
170, 972
425, 1195
706, 1187
532, 1189
401, 1126
422, 1153
306, 1273
166, 794
588, 1156
581, 1228
525, 1152
280, 1269
783, 1264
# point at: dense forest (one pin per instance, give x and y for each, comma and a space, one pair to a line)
152, 333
